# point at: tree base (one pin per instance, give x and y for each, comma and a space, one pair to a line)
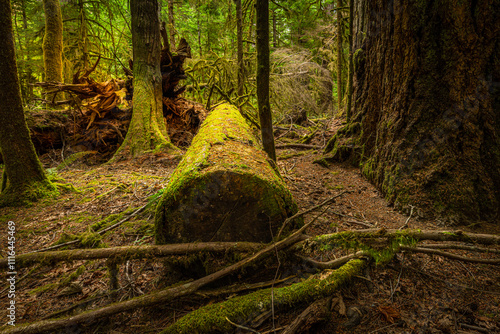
27, 194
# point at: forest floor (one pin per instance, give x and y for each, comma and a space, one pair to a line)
414, 293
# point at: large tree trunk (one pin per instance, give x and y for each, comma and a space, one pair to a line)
426, 124
26, 179
147, 130
53, 41
224, 189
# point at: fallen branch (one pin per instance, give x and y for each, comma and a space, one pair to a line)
301, 213
155, 297
462, 247
334, 263
450, 255
212, 318
131, 252
418, 235
306, 146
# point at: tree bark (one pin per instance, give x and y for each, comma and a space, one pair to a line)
239, 36
53, 41
147, 131
224, 189
26, 178
266, 121
351, 66
171, 23
426, 101
340, 4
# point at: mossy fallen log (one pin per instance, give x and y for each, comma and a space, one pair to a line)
224, 189
214, 318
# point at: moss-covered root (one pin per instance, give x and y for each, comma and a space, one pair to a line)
27, 194
212, 318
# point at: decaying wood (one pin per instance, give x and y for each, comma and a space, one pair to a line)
316, 312
131, 252
101, 115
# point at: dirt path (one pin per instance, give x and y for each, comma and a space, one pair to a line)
413, 294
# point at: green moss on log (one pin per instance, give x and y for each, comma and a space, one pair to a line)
212, 318
224, 189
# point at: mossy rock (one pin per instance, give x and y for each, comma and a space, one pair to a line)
224, 189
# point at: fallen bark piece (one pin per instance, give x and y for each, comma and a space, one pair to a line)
212, 318
224, 189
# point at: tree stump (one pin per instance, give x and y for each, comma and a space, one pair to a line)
224, 189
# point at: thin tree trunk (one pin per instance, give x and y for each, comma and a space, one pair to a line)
340, 4
239, 32
351, 67
83, 36
275, 31
53, 41
266, 121
199, 30
29, 70
171, 24
26, 178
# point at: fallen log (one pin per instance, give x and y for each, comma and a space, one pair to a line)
214, 318
224, 189
124, 253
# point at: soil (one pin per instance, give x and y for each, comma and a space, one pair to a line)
414, 293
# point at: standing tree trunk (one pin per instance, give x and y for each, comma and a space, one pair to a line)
239, 34
83, 36
275, 31
24, 179
426, 122
147, 131
340, 4
351, 66
53, 41
266, 121
171, 23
